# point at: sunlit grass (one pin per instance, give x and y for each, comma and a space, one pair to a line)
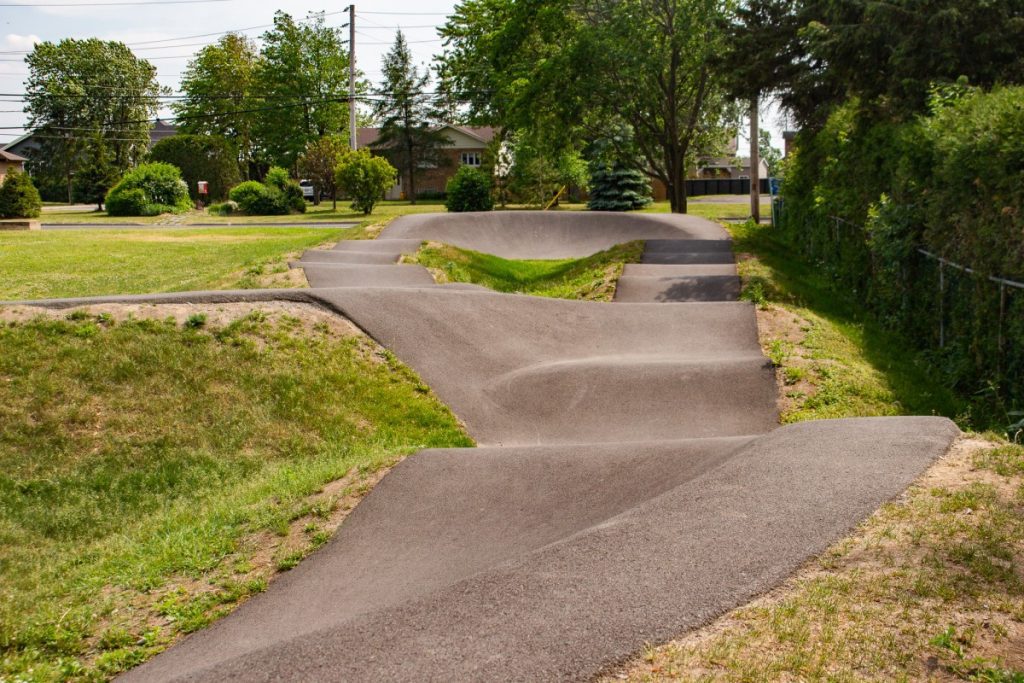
593, 277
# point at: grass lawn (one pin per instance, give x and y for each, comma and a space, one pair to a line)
153, 473
930, 587
383, 211
64, 263
592, 278
314, 214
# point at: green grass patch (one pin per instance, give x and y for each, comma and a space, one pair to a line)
835, 361
314, 214
142, 461
591, 278
67, 263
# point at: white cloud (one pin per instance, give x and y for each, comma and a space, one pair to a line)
13, 41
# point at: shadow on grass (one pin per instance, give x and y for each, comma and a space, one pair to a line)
782, 277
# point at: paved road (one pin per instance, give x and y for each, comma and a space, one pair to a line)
631, 482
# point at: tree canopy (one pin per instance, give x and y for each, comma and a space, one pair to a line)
303, 82
570, 70
815, 54
219, 96
79, 89
405, 111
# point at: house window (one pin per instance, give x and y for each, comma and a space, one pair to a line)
471, 158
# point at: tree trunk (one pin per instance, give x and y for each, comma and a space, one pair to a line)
412, 177
334, 200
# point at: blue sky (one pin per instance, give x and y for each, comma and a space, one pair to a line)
140, 26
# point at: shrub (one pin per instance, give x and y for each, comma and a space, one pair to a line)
149, 190
256, 199
276, 196
618, 188
200, 157
224, 208
432, 195
19, 197
469, 190
364, 178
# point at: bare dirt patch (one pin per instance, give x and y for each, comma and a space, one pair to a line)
306, 317
928, 588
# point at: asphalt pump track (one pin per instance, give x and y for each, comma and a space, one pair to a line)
631, 480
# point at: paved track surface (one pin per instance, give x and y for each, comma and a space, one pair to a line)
632, 481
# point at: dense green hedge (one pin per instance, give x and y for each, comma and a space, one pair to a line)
200, 157
864, 195
278, 195
149, 190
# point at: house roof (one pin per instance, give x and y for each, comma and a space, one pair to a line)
365, 137
11, 156
161, 130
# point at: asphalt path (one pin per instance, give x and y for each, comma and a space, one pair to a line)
631, 481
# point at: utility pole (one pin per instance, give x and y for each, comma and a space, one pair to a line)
352, 77
755, 163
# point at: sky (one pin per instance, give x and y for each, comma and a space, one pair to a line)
161, 33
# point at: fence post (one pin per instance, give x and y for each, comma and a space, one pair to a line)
1002, 315
942, 305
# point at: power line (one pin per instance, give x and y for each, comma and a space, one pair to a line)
109, 4
409, 14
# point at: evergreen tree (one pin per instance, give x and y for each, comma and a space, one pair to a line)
407, 137
618, 187
96, 175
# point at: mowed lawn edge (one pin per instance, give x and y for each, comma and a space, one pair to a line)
73, 263
157, 468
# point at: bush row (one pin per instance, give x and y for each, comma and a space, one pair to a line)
863, 197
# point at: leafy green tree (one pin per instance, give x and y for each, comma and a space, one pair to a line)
96, 174
539, 171
817, 53
318, 162
769, 154
303, 80
549, 66
407, 137
468, 190
79, 89
364, 178
200, 157
19, 197
219, 87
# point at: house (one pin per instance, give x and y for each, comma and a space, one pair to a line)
466, 148
28, 144
714, 168
789, 139
10, 163
159, 131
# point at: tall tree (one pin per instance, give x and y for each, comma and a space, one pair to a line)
80, 89
404, 108
817, 53
303, 80
96, 174
574, 68
219, 87
319, 162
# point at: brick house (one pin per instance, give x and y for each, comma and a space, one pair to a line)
466, 148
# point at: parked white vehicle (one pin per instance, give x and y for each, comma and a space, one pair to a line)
307, 189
